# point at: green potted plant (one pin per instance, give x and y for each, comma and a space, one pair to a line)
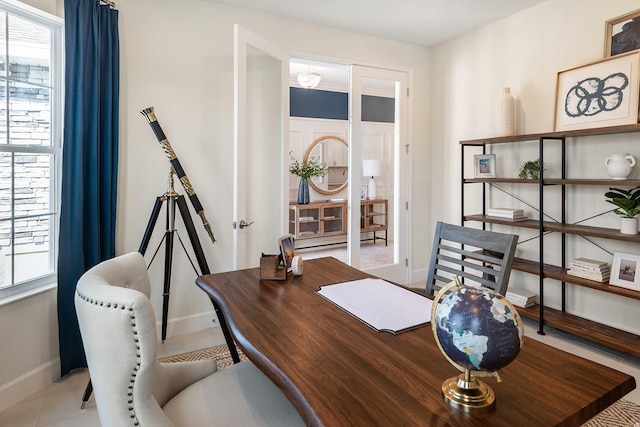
531, 169
308, 168
627, 204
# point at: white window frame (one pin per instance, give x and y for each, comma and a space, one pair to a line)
56, 24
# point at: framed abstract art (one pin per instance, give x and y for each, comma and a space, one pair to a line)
599, 94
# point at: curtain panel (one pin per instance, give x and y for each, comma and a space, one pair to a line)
90, 159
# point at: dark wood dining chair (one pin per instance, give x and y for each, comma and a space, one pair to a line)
478, 256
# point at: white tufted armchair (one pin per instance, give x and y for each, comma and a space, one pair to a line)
132, 388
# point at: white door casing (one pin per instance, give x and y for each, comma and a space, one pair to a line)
261, 116
398, 271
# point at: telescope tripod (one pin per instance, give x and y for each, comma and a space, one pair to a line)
172, 200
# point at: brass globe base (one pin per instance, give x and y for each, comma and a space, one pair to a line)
468, 393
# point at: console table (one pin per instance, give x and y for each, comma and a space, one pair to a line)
326, 219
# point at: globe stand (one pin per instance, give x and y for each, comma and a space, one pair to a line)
467, 393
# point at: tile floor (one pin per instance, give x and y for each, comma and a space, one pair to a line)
58, 405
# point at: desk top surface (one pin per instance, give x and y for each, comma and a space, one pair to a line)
338, 371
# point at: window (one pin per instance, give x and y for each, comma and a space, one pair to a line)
30, 146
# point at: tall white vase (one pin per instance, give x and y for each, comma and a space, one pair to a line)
505, 124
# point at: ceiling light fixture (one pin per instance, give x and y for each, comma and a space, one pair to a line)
309, 79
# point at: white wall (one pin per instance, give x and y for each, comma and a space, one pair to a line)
302, 133
377, 143
29, 327
178, 57
524, 52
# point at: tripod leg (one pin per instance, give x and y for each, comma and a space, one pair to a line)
142, 249
204, 269
193, 236
168, 262
87, 394
150, 225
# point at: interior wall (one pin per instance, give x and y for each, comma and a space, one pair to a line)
377, 142
524, 52
29, 326
186, 73
54, 7
302, 133
178, 58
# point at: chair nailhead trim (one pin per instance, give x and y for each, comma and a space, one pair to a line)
134, 374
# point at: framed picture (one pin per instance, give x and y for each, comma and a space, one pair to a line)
622, 34
598, 94
287, 244
363, 192
484, 166
624, 271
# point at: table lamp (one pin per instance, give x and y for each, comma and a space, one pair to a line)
371, 168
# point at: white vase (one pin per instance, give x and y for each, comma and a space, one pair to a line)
505, 124
629, 225
619, 165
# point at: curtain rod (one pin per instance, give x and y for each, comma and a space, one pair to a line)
109, 3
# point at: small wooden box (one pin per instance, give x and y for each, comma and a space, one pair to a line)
270, 268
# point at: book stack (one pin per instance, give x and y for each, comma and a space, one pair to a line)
598, 271
520, 297
507, 214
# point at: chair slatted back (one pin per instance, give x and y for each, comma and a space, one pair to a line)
479, 256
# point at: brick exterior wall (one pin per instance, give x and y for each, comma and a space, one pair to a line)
30, 124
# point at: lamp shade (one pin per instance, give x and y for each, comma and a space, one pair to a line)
371, 168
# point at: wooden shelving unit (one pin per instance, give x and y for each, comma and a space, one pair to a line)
326, 219
583, 230
318, 219
593, 331
560, 319
374, 217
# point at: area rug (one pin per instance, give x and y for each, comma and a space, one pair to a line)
623, 413
219, 352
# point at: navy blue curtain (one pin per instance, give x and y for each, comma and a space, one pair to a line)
90, 158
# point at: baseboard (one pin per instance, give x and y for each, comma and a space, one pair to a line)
419, 277
188, 324
25, 385
28, 383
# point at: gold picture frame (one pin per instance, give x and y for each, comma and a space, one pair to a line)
618, 39
598, 94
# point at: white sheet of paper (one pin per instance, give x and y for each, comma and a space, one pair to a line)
380, 304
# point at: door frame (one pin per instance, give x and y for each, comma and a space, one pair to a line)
400, 270
243, 38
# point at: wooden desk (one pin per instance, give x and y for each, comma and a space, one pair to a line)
337, 371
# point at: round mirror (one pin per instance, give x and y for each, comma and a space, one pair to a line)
334, 151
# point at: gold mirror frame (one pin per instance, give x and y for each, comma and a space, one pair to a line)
307, 155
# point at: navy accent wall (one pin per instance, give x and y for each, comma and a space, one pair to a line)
322, 104
319, 104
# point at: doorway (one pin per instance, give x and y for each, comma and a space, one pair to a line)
380, 241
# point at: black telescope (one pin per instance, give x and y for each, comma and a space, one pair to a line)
177, 167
